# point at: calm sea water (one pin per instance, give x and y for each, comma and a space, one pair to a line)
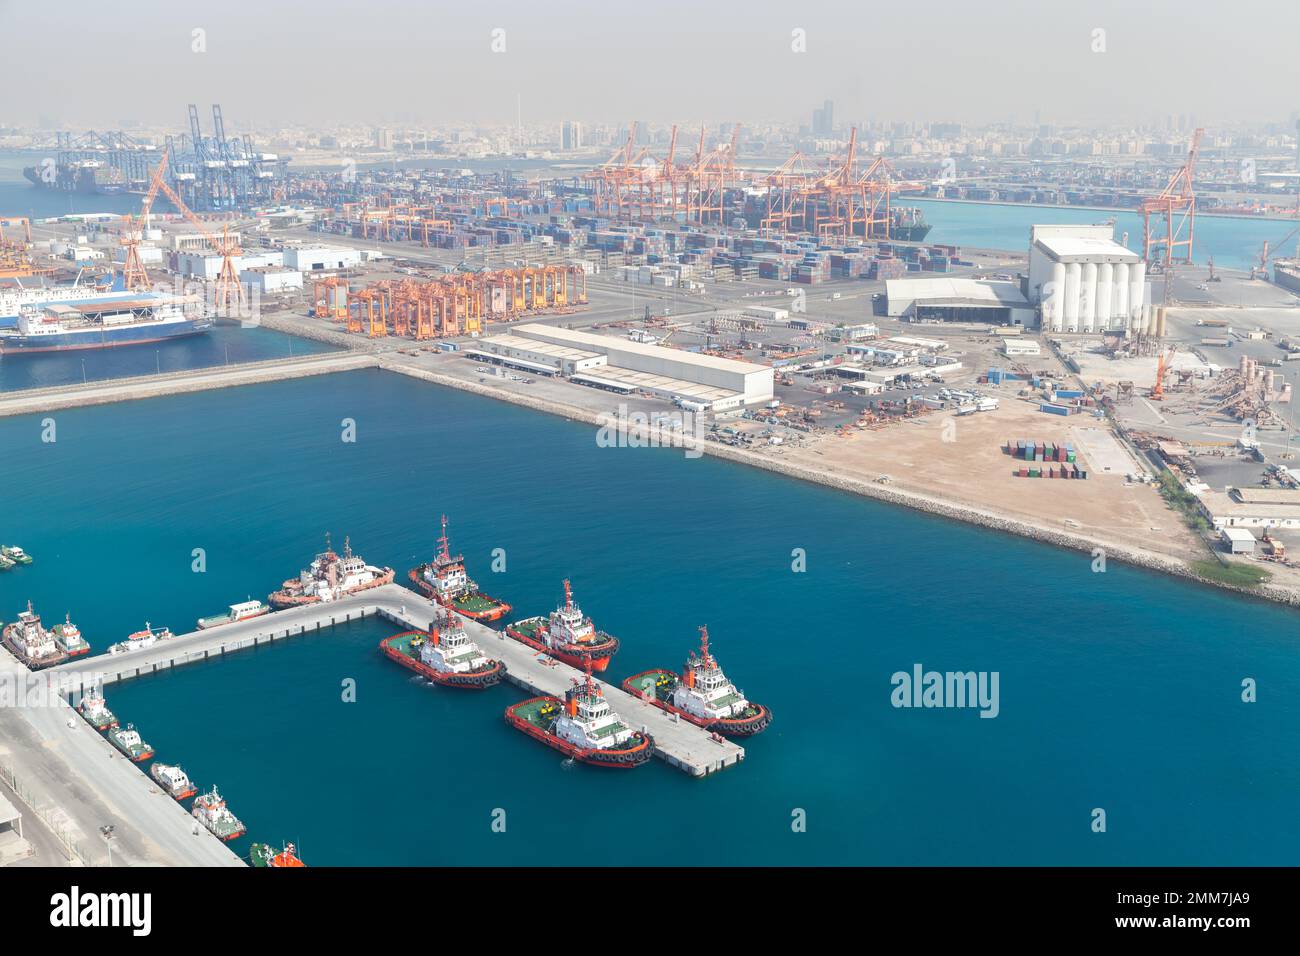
1234, 243
225, 343
1118, 691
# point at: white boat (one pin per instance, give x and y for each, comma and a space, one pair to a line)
142, 639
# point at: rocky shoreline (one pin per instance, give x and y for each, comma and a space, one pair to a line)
1126, 554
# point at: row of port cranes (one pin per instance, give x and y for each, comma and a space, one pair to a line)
211, 171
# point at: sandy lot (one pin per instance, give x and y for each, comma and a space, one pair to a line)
972, 468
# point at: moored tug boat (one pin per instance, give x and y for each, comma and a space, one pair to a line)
211, 810
445, 655
444, 579
141, 639
703, 695
68, 636
583, 727
174, 780
262, 854
93, 707
567, 635
15, 554
330, 577
31, 643
128, 740
236, 612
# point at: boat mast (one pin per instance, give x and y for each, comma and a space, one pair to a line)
444, 545
568, 596
704, 645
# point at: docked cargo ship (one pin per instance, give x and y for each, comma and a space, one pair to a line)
79, 176
567, 635
68, 636
141, 639
444, 579
702, 695
445, 655
94, 708
1286, 273
128, 740
174, 780
31, 642
211, 810
330, 577
262, 854
236, 612
907, 224
100, 324
583, 727
16, 298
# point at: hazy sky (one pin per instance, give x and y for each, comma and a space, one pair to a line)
96, 64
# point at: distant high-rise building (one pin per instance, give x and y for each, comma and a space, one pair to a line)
823, 120
571, 135
384, 138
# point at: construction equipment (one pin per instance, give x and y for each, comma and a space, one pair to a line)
227, 285
1162, 368
134, 277
1176, 204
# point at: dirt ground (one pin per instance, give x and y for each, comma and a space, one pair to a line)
973, 468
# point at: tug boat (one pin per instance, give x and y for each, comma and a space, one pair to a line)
567, 635
330, 577
703, 696
95, 710
6, 563
141, 639
262, 854
583, 727
68, 636
211, 810
174, 780
444, 579
237, 612
15, 554
445, 655
31, 643
127, 739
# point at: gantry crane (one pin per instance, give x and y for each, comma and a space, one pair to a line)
227, 279
134, 277
1176, 204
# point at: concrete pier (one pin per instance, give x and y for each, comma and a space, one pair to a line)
37, 400
679, 743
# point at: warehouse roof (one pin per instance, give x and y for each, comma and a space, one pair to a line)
990, 293
1267, 496
662, 384
604, 343
548, 349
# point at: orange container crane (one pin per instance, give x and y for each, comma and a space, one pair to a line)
228, 286
1176, 204
134, 276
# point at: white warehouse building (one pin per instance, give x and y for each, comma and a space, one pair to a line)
1085, 281
714, 382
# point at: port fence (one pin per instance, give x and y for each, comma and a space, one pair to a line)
72, 849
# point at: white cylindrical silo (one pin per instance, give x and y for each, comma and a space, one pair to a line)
1088, 298
1054, 297
1105, 294
1073, 272
1137, 275
1119, 308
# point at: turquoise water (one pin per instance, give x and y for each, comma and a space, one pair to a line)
1234, 243
225, 343
1117, 690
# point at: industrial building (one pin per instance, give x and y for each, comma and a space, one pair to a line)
1252, 507
999, 302
1085, 281
621, 365
321, 258
272, 280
